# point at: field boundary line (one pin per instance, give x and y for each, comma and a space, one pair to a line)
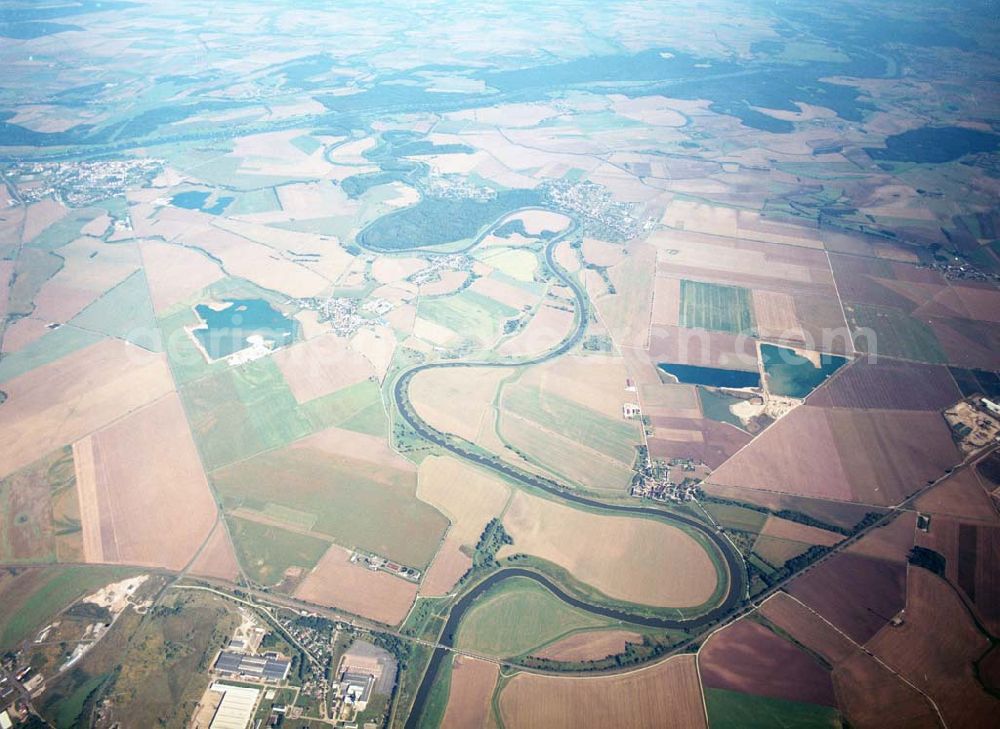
867, 652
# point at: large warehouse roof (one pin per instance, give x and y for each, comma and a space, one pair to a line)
236, 708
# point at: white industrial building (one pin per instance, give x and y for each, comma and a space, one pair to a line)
236, 708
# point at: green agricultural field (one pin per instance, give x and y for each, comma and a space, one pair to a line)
126, 312
518, 616
34, 267
45, 350
38, 510
65, 230
34, 596
354, 503
736, 517
266, 552
186, 361
516, 263
734, 710
897, 334
237, 412
253, 202
437, 701
716, 307
468, 314
614, 438
565, 458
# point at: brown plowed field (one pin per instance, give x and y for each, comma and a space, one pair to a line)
637, 699
961, 496
935, 648
748, 657
892, 541
876, 457
217, 559
472, 682
857, 594
336, 582
889, 385
972, 562
868, 694
591, 645
843, 514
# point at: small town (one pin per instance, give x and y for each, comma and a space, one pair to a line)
602, 217
78, 184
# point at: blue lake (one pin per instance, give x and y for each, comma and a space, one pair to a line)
226, 330
711, 376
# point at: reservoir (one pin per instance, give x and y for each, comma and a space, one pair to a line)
791, 375
228, 325
710, 376
196, 199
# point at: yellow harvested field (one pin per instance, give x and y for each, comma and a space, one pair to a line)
390, 270
596, 382
785, 529
544, 330
566, 456
243, 258
338, 583
320, 366
469, 497
566, 256
775, 315
153, 503
62, 402
41, 215
356, 446
514, 262
432, 332
679, 434
539, 221
664, 695
627, 313
23, 332
449, 282
217, 558
377, 346
653, 110
89, 269
310, 323
600, 253
638, 560
667, 301
175, 273
326, 257
503, 292
590, 645
472, 682
434, 393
